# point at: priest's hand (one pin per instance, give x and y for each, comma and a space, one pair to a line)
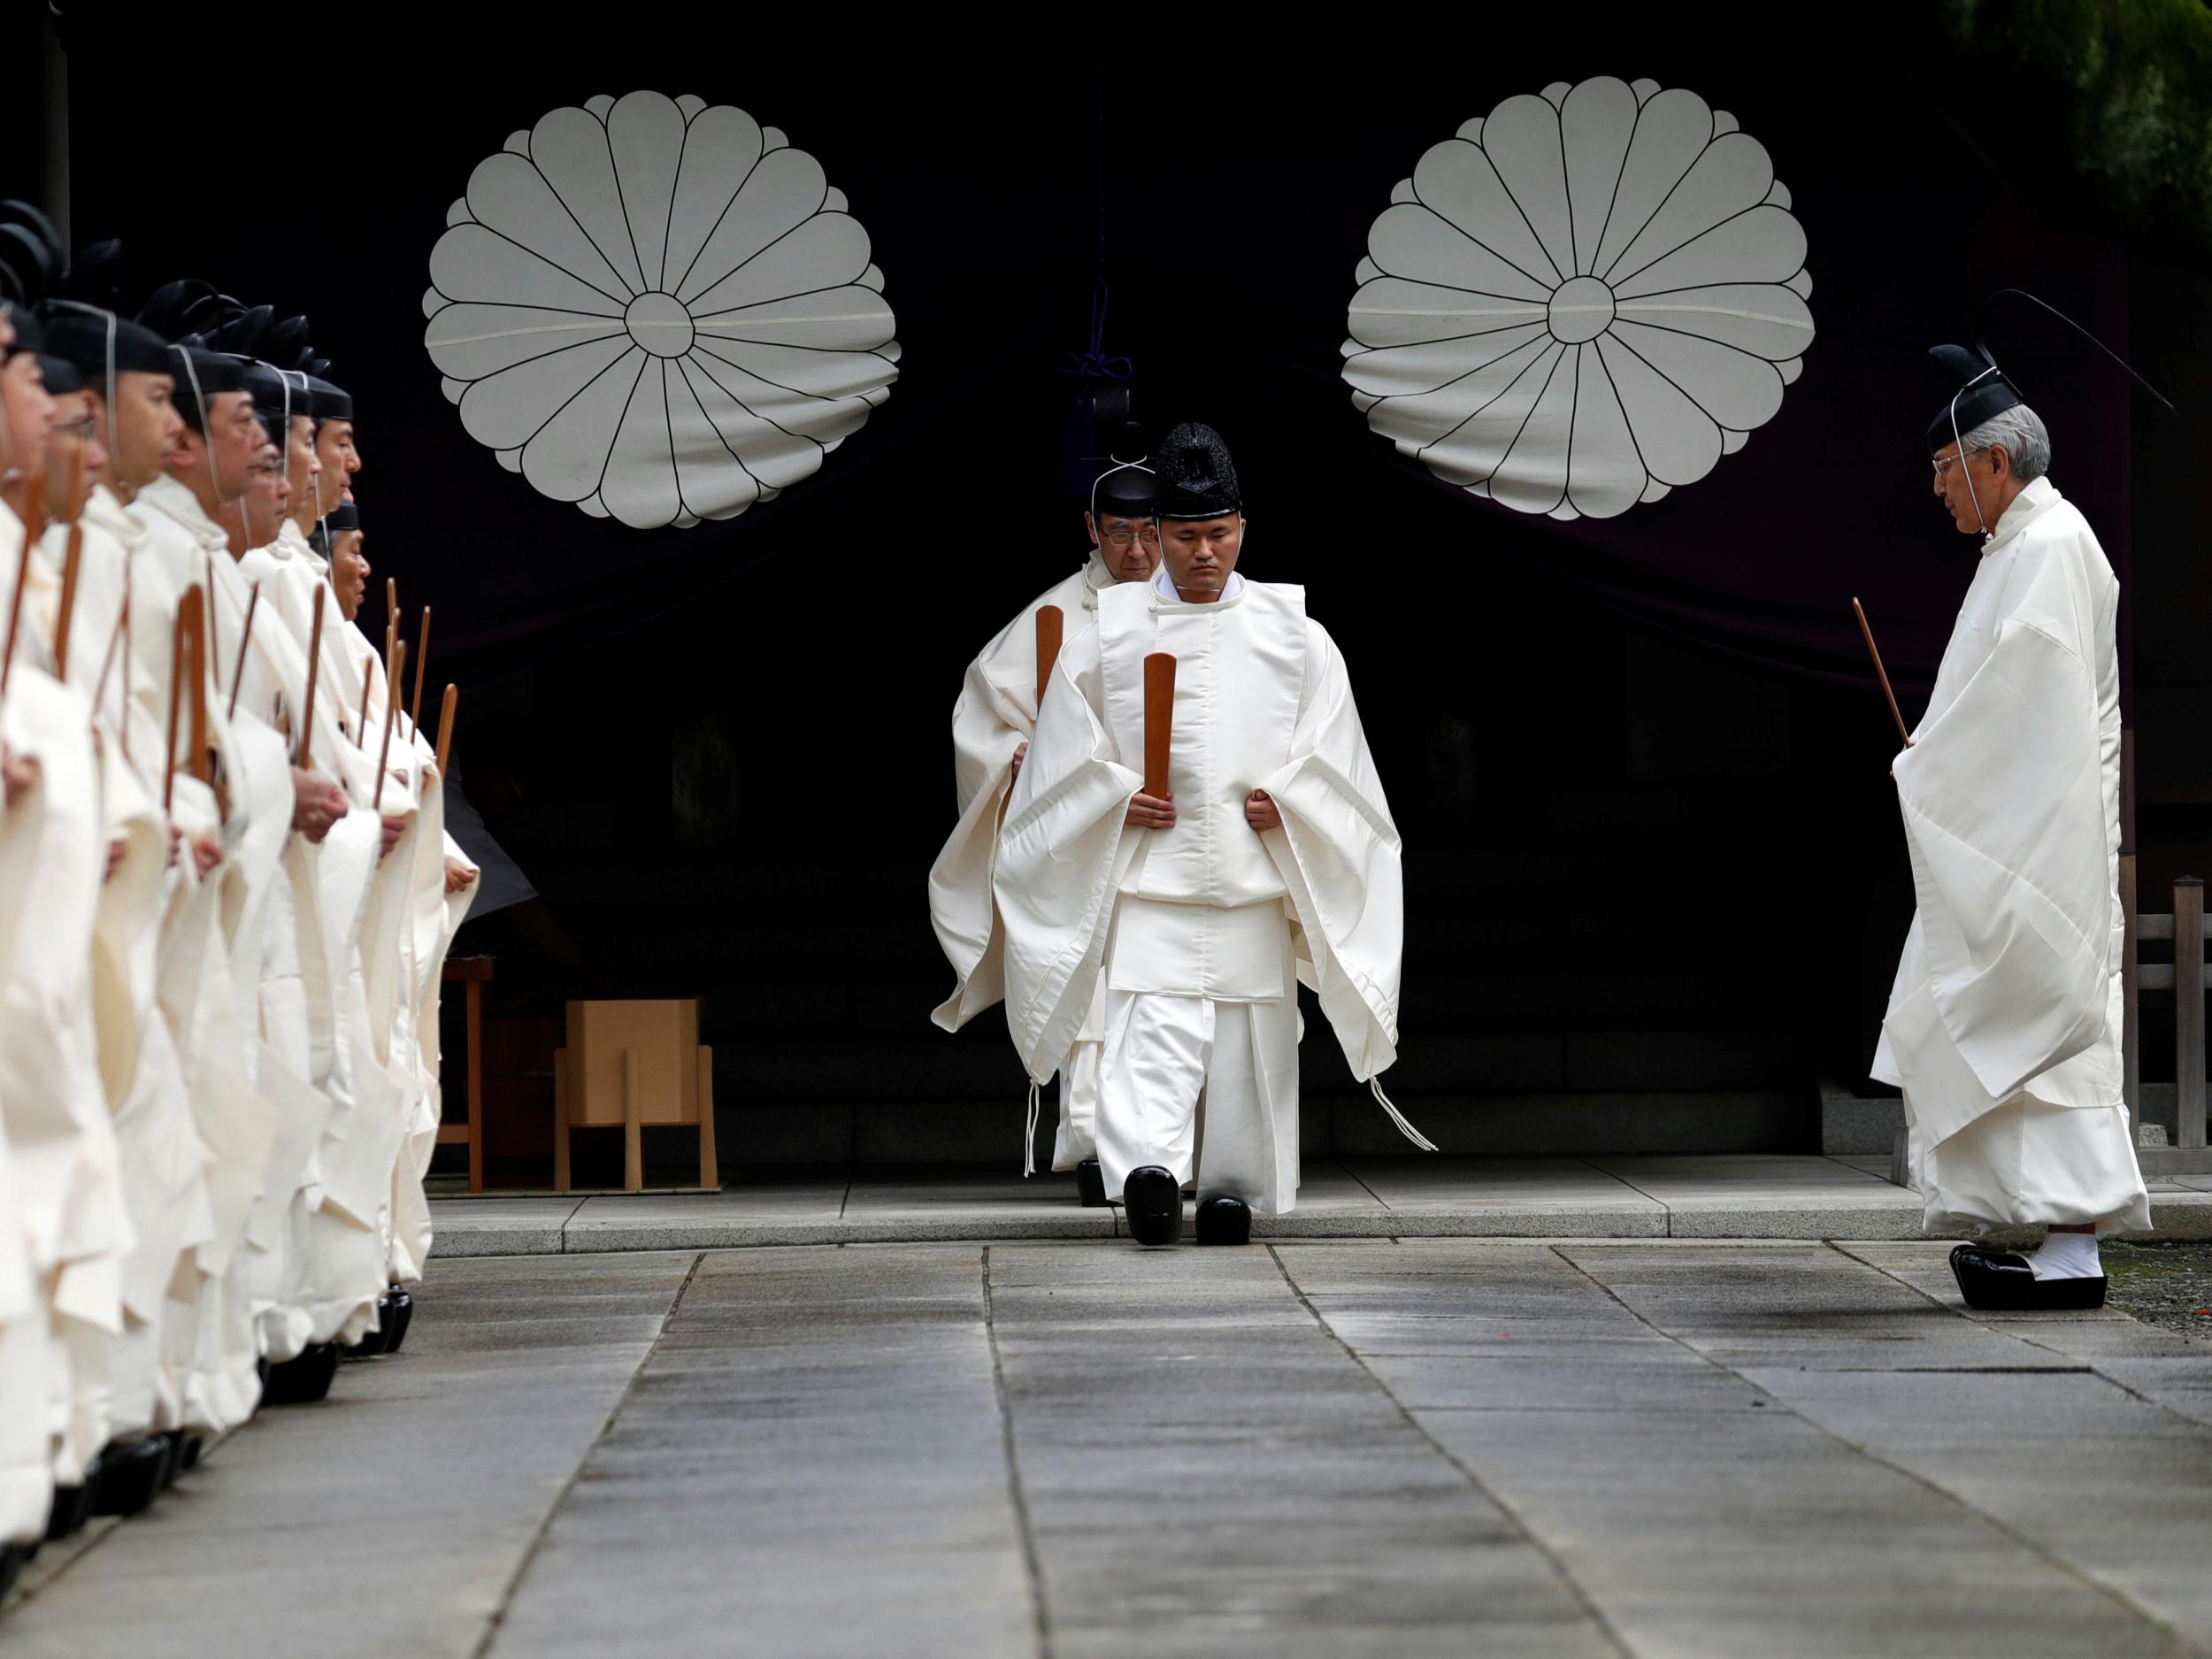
22, 775
459, 881
316, 804
206, 854
390, 830
1151, 811
115, 860
1260, 812
1021, 754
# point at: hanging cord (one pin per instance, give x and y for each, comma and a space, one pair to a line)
1029, 1136
1399, 1117
1094, 365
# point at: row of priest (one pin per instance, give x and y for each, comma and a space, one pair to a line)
225, 890
1169, 820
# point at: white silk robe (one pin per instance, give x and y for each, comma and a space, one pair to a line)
2004, 1024
1209, 909
996, 713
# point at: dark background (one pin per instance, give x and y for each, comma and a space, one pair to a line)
720, 752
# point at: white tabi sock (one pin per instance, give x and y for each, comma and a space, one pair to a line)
2067, 1256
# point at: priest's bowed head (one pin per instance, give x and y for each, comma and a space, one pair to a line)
1987, 445
1120, 516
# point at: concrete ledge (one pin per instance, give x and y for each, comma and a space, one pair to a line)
1747, 1197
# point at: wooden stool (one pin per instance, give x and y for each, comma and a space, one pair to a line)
633, 1066
475, 972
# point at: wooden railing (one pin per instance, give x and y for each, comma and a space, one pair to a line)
2187, 927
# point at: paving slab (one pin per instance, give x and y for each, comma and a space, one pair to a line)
399, 1508
1376, 1446
813, 1463
1738, 1196
1238, 1483
501, 1226
1688, 1528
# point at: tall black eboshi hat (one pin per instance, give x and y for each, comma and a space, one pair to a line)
1198, 479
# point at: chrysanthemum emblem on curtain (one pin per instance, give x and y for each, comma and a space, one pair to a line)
1582, 301
657, 309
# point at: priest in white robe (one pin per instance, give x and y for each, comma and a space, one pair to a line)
1268, 859
992, 725
2004, 1024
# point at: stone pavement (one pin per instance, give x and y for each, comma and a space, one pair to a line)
1429, 1446
1724, 1197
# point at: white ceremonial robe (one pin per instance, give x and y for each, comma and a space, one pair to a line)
2004, 1024
996, 713
250, 1091
421, 917
1201, 934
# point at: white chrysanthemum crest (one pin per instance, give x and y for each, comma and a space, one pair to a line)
1582, 300
658, 310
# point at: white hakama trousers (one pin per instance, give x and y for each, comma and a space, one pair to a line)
2029, 1163
1207, 1090
1077, 1138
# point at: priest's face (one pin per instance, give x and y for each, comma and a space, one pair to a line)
341, 460
349, 572
300, 465
268, 492
75, 432
1130, 546
235, 439
146, 425
1973, 488
28, 410
1202, 552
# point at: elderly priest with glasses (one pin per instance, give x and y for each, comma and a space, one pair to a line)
991, 723
2004, 1025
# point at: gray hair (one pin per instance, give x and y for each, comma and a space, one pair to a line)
2019, 432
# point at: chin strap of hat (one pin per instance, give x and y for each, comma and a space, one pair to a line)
1966, 470
207, 438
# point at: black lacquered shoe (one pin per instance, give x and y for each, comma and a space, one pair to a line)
130, 1476
172, 1459
1999, 1281
1090, 1185
72, 1506
403, 1316
302, 1381
189, 1449
1152, 1204
374, 1342
1224, 1220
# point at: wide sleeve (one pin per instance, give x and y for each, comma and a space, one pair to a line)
1061, 857
1338, 854
995, 716
2003, 802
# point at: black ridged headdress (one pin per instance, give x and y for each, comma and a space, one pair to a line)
1198, 479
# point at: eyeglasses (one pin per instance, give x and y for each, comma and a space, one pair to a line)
81, 429
1942, 463
1120, 541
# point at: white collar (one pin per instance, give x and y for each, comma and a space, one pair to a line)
1164, 585
2034, 496
169, 494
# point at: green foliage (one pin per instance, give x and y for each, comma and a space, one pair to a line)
2117, 94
